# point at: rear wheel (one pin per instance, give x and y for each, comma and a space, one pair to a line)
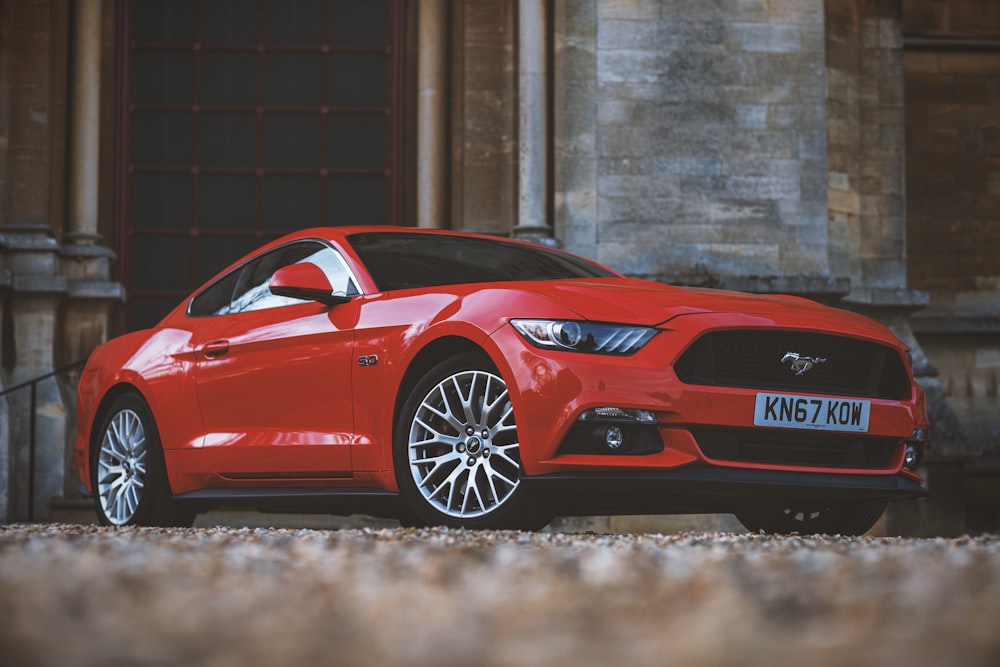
457, 452
845, 518
128, 474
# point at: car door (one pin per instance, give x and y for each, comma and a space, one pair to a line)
273, 374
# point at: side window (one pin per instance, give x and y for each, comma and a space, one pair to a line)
215, 299
246, 288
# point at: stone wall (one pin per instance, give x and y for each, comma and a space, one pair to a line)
865, 143
706, 126
952, 77
54, 286
484, 116
953, 149
32, 123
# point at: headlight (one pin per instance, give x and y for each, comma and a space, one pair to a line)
617, 339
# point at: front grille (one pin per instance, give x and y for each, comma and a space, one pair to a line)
752, 359
820, 450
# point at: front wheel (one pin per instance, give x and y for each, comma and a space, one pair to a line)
129, 477
457, 452
845, 518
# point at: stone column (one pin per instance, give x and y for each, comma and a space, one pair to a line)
533, 222
431, 109
85, 263
29, 76
5, 414
85, 122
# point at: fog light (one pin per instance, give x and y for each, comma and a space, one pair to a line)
619, 415
919, 435
613, 437
913, 456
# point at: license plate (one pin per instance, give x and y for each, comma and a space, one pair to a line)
815, 412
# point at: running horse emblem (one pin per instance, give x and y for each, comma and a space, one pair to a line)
800, 363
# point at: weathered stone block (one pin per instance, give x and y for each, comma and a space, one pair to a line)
642, 35
764, 37
743, 164
796, 116
633, 66
743, 212
763, 187
628, 9
751, 115
838, 180
649, 210
576, 22
579, 65
639, 186
808, 258
805, 213
694, 166
807, 12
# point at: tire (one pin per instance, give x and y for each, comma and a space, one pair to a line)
846, 518
456, 450
128, 475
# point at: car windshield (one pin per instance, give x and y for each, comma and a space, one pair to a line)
405, 260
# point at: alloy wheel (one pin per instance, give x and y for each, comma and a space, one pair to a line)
121, 467
462, 448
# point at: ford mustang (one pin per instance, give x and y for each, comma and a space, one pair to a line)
464, 380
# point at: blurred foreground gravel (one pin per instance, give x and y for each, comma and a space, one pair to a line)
83, 595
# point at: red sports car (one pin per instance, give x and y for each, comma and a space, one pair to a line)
471, 381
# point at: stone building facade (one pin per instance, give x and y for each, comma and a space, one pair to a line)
951, 69
843, 150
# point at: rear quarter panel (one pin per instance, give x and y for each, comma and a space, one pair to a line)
156, 363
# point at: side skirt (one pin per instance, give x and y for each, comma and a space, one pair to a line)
342, 502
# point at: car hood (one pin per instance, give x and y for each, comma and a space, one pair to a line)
651, 304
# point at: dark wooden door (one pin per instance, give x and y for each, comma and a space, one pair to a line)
242, 120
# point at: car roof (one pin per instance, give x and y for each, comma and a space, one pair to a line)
340, 233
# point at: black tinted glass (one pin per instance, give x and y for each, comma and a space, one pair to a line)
403, 260
216, 298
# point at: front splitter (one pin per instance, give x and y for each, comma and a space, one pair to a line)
702, 488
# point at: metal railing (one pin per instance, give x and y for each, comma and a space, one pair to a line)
32, 385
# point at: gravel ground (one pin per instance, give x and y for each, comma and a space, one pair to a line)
83, 595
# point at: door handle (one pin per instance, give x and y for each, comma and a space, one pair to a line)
215, 349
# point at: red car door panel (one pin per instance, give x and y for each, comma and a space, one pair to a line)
274, 387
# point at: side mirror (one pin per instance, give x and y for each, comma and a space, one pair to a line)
304, 281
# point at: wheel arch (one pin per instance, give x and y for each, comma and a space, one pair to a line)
512, 508
430, 355
110, 396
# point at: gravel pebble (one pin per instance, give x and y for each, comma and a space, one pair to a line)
241, 597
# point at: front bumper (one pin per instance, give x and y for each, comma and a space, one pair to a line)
709, 489
551, 389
